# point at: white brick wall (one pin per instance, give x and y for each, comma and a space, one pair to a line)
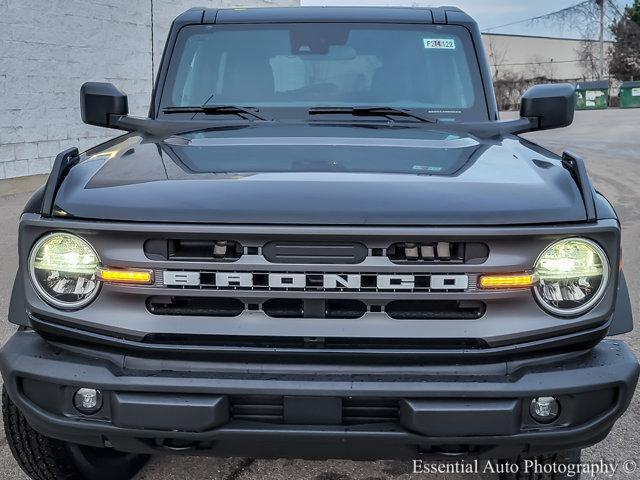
49, 48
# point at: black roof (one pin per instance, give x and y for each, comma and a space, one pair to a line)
630, 84
593, 85
438, 15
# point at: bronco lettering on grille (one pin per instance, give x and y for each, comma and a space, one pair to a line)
315, 281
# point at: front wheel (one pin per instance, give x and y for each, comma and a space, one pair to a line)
45, 458
556, 466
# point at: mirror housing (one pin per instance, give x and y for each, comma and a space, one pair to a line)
99, 101
551, 104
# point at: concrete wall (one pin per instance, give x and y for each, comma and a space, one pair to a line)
555, 58
48, 48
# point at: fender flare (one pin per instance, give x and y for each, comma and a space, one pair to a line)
622, 318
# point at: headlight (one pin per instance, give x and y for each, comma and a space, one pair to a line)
63, 270
572, 276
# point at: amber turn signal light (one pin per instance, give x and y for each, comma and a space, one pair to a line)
518, 280
139, 277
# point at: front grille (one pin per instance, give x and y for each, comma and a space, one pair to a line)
304, 252
315, 308
355, 411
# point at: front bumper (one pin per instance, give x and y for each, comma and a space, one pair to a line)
320, 410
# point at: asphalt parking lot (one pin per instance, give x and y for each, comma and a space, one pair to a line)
610, 143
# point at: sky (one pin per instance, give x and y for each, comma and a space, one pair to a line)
490, 13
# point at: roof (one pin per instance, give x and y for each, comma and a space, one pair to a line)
593, 85
437, 15
630, 84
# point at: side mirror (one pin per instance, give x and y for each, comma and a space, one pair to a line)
99, 101
551, 104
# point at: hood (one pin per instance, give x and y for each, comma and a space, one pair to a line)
321, 175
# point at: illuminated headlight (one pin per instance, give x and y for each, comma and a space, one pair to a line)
63, 269
572, 276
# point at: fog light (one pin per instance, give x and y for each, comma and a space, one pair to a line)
544, 409
88, 400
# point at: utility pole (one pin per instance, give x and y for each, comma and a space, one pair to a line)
600, 4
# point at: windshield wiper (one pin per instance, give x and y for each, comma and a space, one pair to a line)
215, 110
388, 112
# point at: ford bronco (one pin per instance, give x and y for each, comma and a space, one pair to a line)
322, 242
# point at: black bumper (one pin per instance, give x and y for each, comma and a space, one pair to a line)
329, 411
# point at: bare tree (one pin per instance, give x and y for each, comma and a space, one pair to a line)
496, 57
582, 18
589, 57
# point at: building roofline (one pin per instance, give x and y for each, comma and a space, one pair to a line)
544, 37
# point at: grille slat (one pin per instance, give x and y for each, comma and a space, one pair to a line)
196, 306
434, 309
355, 411
258, 408
313, 252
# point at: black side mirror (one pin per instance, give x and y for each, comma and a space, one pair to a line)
99, 101
551, 104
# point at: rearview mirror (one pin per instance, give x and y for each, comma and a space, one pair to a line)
99, 101
551, 104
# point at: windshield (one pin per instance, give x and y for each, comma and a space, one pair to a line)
429, 68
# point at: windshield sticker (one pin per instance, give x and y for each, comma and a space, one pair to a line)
443, 43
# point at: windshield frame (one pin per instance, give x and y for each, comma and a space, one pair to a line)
480, 112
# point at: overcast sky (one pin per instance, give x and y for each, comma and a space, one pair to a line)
488, 13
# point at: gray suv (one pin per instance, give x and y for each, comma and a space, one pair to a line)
322, 242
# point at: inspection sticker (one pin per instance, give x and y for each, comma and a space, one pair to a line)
445, 43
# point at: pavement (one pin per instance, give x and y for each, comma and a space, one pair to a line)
608, 140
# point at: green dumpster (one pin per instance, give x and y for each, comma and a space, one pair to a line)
629, 94
592, 95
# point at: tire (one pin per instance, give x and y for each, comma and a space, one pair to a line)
45, 458
563, 461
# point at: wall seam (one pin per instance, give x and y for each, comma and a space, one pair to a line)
152, 53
